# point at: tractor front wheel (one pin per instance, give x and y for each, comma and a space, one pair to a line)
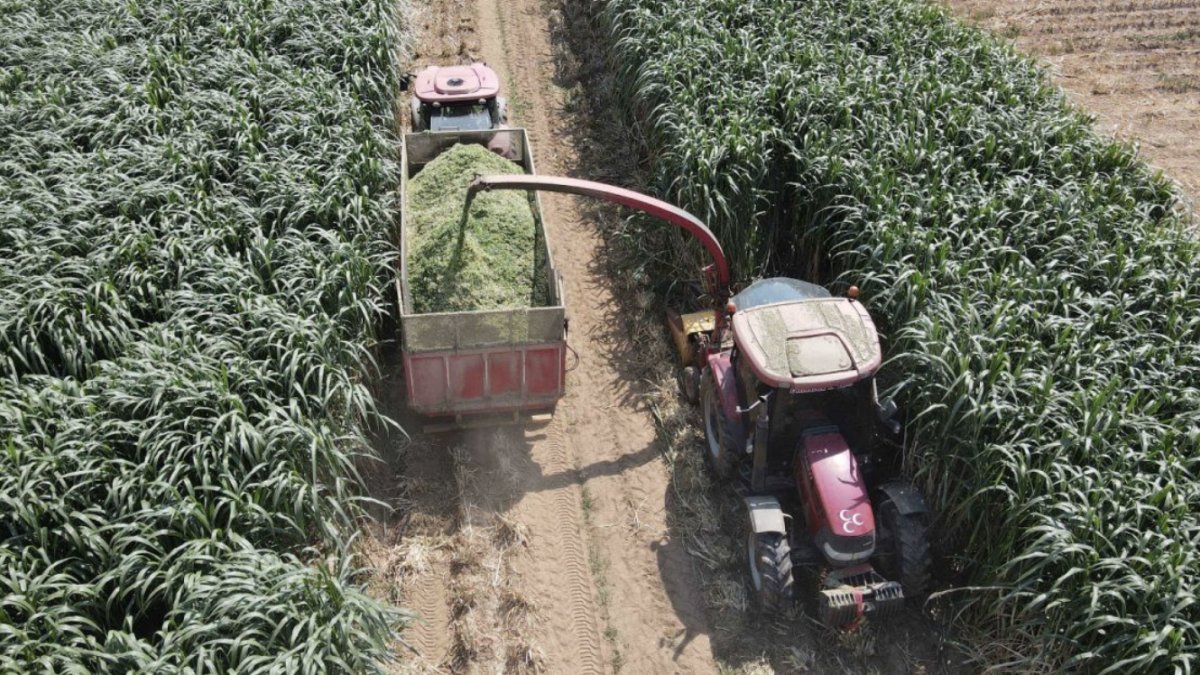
718, 442
904, 548
770, 559
688, 379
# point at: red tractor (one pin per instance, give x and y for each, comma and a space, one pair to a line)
785, 378
457, 98
785, 375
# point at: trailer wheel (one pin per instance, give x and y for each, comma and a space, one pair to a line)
718, 441
417, 121
770, 560
904, 548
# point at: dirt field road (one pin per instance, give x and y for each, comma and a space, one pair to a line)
601, 496
1135, 65
542, 548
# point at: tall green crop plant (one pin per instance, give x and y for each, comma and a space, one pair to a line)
195, 205
1038, 300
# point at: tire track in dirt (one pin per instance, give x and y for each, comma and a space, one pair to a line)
556, 571
603, 525
427, 597
525, 476
575, 557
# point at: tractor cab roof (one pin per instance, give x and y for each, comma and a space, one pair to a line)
453, 84
795, 335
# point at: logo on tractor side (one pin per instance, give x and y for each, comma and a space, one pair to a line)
850, 521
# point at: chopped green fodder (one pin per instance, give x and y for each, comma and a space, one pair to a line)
490, 263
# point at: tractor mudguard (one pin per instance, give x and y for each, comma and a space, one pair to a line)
721, 367
908, 499
766, 515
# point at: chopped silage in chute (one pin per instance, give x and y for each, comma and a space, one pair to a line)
492, 262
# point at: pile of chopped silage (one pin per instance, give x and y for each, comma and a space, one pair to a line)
492, 261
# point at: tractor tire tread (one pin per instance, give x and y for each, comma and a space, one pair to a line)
913, 558
727, 460
415, 121
775, 569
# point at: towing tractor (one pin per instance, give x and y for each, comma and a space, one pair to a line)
784, 373
457, 98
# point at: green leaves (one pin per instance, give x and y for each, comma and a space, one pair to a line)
1039, 304
195, 203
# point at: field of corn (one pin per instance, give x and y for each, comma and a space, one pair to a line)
195, 204
1035, 287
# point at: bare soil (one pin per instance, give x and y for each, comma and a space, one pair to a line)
1134, 65
582, 496
596, 543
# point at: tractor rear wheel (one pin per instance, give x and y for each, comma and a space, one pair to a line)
904, 544
417, 121
501, 111
718, 442
770, 559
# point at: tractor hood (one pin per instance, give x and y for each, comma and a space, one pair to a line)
808, 345
451, 84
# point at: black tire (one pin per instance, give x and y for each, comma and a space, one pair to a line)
905, 542
501, 111
688, 379
770, 560
414, 108
719, 452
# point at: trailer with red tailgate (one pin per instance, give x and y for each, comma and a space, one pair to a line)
467, 368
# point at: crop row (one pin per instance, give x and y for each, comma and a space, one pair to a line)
195, 199
1038, 296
